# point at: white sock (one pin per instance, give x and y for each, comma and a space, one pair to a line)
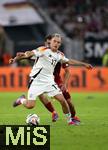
23, 100
68, 117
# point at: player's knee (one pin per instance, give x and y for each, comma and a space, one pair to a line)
30, 105
43, 99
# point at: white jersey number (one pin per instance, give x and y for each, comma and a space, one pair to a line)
53, 62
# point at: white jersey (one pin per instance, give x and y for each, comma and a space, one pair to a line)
41, 76
45, 61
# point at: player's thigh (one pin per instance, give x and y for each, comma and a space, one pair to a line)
43, 98
34, 91
30, 103
59, 97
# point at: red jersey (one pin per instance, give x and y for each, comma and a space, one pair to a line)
57, 70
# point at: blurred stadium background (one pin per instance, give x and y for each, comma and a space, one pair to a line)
84, 27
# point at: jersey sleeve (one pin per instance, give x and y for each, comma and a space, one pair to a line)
40, 51
37, 53
63, 59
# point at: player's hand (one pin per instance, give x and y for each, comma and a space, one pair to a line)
88, 66
11, 61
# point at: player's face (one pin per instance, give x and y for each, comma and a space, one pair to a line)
55, 43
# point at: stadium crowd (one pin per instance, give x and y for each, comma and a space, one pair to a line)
80, 17
6, 48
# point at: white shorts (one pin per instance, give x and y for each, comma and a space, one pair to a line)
39, 87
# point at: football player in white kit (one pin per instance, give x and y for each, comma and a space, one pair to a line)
42, 80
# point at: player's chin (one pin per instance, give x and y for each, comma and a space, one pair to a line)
55, 48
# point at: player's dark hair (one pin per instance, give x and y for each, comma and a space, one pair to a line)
48, 37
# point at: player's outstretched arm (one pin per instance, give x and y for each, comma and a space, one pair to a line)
64, 84
66, 76
76, 62
20, 56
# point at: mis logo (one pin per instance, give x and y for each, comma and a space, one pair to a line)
25, 137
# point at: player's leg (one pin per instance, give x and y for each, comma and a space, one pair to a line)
46, 103
71, 105
27, 103
54, 91
65, 107
67, 98
49, 106
63, 103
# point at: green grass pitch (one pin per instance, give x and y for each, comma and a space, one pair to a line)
91, 134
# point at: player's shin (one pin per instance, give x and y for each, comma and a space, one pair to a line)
65, 107
49, 107
72, 109
66, 111
68, 114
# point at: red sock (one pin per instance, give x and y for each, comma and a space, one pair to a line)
49, 107
72, 110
